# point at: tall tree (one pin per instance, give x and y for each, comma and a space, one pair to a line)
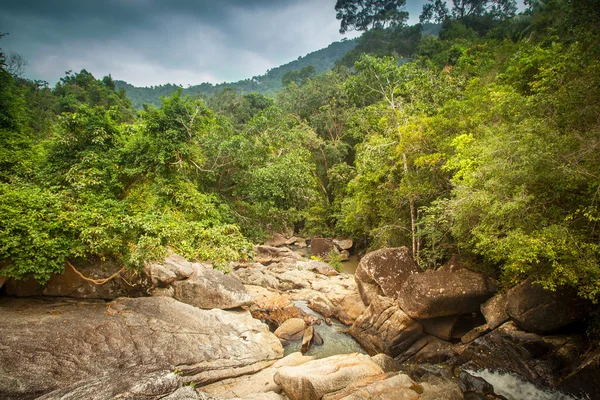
437, 10
362, 15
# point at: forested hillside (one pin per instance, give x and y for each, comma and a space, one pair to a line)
487, 144
317, 62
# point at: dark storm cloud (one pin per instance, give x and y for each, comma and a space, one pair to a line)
148, 42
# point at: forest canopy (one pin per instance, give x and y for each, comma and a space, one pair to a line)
483, 140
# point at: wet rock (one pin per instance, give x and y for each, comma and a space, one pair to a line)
316, 378
542, 311
343, 244
470, 385
494, 311
385, 328
475, 333
292, 329
440, 327
383, 272
307, 338
537, 359
443, 293
68, 341
320, 246
210, 288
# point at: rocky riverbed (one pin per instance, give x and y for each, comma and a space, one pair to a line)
181, 330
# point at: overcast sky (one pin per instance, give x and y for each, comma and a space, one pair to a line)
152, 42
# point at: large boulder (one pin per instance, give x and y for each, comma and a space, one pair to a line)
444, 293
536, 309
210, 288
316, 378
48, 344
383, 272
320, 247
385, 328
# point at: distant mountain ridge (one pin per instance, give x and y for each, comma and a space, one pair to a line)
323, 60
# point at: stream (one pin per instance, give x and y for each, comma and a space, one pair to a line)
335, 341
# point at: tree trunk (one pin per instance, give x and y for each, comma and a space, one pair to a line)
413, 217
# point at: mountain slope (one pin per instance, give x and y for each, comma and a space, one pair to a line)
323, 60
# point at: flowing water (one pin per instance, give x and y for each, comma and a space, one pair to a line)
335, 341
513, 388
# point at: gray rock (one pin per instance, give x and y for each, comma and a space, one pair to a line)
383, 273
444, 293
134, 383
542, 311
343, 244
385, 328
171, 269
494, 311
316, 378
210, 288
67, 341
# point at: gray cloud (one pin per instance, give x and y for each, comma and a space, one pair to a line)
151, 42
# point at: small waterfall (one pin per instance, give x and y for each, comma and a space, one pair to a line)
514, 388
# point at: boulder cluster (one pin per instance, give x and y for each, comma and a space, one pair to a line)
183, 330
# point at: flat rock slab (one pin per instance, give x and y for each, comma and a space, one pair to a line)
47, 344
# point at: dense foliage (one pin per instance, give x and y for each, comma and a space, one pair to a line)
483, 141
